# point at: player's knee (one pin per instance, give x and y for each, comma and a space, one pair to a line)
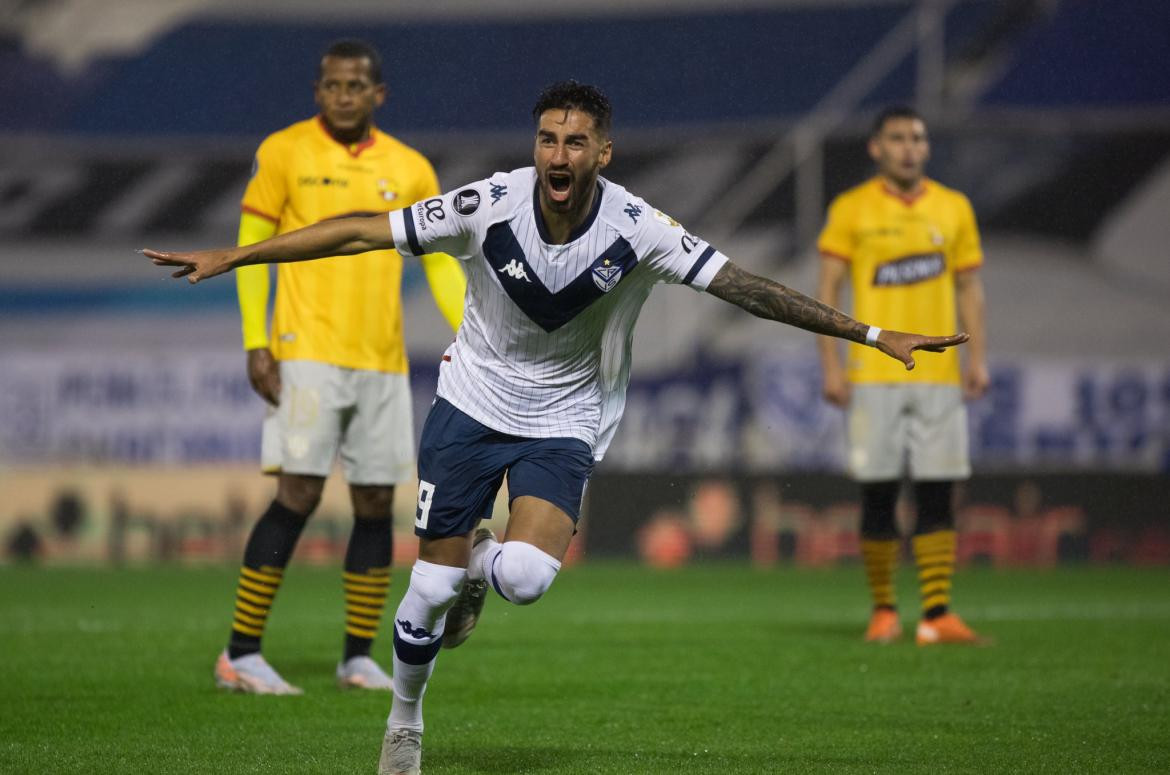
372, 502
436, 585
300, 493
524, 573
936, 506
878, 503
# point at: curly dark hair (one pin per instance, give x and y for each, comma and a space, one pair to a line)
352, 48
571, 95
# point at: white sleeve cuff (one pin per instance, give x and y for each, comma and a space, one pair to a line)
402, 230
705, 270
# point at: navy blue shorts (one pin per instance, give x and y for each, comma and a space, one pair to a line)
462, 463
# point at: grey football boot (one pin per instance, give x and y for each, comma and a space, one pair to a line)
464, 613
401, 753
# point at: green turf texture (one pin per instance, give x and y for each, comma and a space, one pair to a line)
713, 669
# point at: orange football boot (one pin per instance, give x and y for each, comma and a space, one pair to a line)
948, 628
884, 626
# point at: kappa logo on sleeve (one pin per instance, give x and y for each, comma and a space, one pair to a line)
467, 201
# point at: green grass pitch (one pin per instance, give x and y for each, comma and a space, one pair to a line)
712, 669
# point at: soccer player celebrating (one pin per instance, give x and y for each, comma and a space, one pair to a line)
910, 248
559, 262
334, 373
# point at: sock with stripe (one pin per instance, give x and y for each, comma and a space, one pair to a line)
267, 553
881, 559
935, 555
367, 582
935, 544
880, 543
418, 636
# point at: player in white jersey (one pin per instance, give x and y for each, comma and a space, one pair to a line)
545, 357
559, 261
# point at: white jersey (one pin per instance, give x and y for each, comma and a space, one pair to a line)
544, 349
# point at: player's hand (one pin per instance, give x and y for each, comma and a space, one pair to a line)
976, 381
836, 389
195, 266
901, 346
264, 374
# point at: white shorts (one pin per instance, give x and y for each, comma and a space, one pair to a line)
895, 424
326, 410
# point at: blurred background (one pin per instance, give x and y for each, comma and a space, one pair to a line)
128, 430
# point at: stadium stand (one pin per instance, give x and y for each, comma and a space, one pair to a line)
1053, 117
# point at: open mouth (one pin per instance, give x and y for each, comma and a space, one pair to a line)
559, 185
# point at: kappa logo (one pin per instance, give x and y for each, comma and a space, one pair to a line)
606, 276
515, 270
499, 190
633, 211
417, 633
467, 201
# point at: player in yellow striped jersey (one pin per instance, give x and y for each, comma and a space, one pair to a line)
334, 371
910, 249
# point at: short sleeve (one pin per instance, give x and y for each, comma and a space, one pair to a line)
675, 255
837, 238
268, 187
968, 250
452, 223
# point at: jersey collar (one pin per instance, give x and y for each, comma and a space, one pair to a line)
353, 149
577, 232
906, 199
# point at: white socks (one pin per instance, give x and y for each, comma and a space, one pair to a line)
418, 635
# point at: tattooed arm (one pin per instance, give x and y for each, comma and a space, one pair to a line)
770, 300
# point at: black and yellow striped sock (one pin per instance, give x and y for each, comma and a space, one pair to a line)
254, 594
935, 555
881, 558
268, 551
367, 582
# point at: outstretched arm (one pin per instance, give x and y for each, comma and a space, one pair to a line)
340, 237
767, 299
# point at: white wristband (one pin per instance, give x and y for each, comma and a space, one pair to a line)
872, 335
